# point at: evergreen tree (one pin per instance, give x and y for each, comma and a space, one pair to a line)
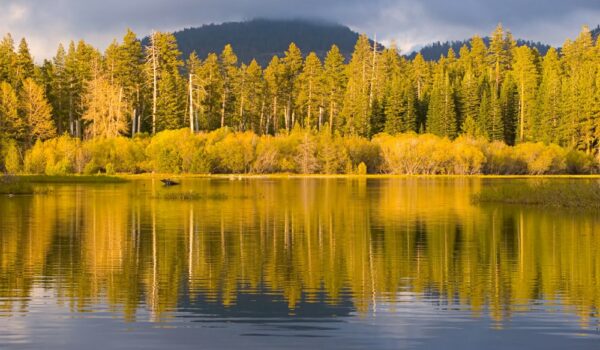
274, 77
24, 62
356, 110
335, 81
292, 61
500, 55
251, 99
526, 76
8, 60
310, 92
421, 77
163, 64
129, 74
209, 87
59, 91
548, 111
579, 91
442, 110
228, 65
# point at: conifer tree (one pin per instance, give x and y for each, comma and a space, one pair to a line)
274, 78
526, 76
292, 61
310, 92
129, 74
8, 60
250, 100
209, 87
228, 65
59, 90
335, 81
499, 55
163, 56
356, 111
548, 112
441, 116
24, 62
421, 77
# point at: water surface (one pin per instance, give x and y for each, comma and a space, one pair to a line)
397, 263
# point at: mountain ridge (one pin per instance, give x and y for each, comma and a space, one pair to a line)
261, 39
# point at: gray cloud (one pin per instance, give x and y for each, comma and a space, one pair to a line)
409, 23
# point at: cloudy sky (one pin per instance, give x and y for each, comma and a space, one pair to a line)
411, 23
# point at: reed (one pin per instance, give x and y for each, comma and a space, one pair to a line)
571, 194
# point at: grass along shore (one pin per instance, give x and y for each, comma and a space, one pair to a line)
571, 195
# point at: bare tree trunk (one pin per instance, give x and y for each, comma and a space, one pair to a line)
522, 111
320, 116
275, 119
154, 83
373, 64
191, 106
133, 123
223, 108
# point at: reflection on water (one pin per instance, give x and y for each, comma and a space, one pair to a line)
343, 259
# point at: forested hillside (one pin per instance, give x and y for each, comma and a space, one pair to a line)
500, 93
261, 39
434, 51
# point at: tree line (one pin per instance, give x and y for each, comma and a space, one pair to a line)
497, 92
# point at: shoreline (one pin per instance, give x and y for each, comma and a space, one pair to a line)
123, 178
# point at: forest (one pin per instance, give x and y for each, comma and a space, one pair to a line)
496, 108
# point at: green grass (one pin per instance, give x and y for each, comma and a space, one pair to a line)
190, 196
572, 194
70, 179
16, 188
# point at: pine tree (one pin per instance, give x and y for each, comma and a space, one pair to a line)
8, 60
549, 100
470, 96
251, 103
163, 64
356, 111
580, 62
441, 116
274, 77
310, 92
421, 77
228, 65
509, 108
400, 95
36, 112
335, 81
292, 61
499, 55
24, 62
209, 87
194, 101
526, 75
129, 74
59, 90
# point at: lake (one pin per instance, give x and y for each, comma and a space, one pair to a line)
378, 263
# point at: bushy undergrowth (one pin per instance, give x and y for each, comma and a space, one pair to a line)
299, 151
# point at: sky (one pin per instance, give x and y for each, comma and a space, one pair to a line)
410, 23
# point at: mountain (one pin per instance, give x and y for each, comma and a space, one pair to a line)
263, 38
433, 51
